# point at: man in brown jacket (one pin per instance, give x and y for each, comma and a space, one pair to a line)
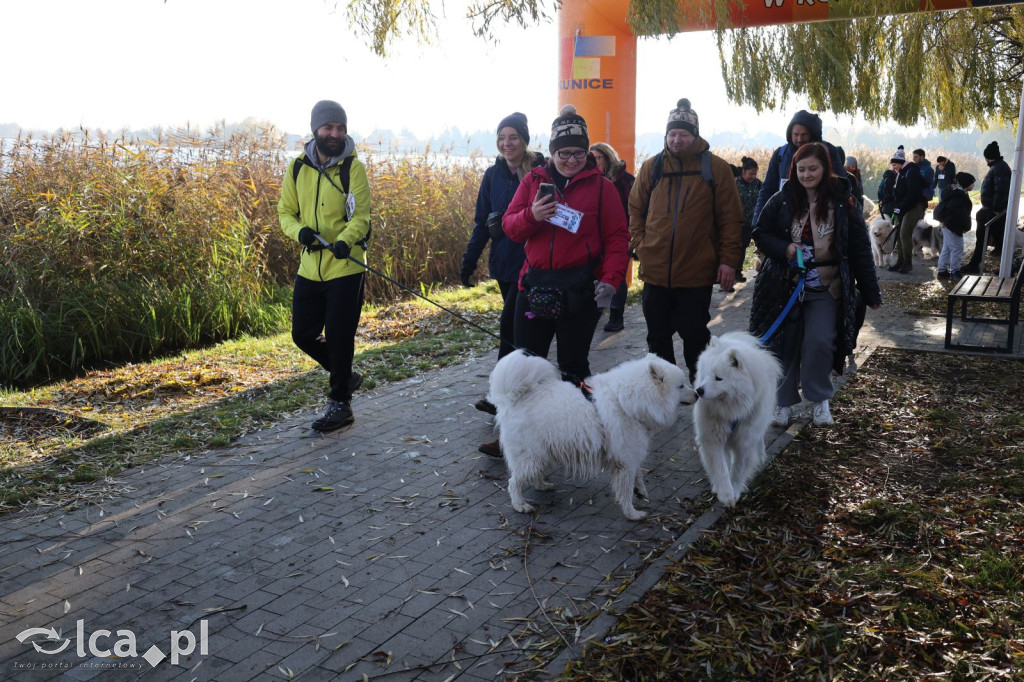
685, 220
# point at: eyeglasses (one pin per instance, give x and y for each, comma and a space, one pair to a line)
565, 154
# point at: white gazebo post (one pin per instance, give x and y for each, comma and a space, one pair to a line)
1010, 232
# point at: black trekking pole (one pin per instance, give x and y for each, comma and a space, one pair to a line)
324, 244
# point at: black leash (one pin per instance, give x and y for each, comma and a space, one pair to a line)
324, 244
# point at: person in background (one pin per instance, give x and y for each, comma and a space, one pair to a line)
908, 208
749, 188
814, 213
325, 192
856, 184
614, 169
686, 231
576, 239
887, 193
954, 212
945, 173
927, 172
506, 257
995, 197
803, 128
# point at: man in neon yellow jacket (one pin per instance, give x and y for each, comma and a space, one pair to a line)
325, 192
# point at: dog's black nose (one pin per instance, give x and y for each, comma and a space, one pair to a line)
700, 391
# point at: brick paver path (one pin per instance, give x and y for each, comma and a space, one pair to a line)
387, 550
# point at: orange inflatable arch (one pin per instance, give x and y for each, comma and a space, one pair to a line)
597, 51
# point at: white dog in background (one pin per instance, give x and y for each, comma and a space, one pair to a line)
883, 241
736, 380
545, 422
869, 207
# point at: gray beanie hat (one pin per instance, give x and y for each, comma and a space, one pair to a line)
851, 162
683, 117
325, 111
568, 130
899, 156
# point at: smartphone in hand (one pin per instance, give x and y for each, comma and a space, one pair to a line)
546, 189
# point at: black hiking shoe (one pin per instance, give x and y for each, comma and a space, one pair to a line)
354, 382
337, 415
492, 449
485, 405
615, 322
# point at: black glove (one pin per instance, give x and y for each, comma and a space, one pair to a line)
307, 237
341, 250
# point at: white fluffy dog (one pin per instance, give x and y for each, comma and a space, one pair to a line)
545, 422
869, 207
736, 381
883, 241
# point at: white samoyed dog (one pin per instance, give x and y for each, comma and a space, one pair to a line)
736, 381
883, 242
546, 423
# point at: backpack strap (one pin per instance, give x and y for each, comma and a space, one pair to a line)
658, 172
344, 170
705, 170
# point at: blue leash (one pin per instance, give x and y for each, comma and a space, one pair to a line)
792, 299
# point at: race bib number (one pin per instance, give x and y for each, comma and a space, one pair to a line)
566, 218
350, 206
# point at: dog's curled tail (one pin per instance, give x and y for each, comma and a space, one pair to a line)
516, 375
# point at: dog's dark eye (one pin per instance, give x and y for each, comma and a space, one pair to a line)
718, 378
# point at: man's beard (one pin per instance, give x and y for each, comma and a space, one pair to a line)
330, 146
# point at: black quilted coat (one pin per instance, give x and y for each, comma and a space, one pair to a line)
772, 236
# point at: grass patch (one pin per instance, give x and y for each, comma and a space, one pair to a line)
88, 429
888, 547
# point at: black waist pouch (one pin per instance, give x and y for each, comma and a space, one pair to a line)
554, 294
494, 225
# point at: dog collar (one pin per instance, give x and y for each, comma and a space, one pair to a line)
587, 390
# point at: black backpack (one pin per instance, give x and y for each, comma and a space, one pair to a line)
658, 172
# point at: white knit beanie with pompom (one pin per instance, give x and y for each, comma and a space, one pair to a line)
684, 118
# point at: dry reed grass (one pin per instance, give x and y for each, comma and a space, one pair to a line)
119, 249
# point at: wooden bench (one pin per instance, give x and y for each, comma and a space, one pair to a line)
985, 289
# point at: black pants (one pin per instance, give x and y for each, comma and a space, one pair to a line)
506, 328
332, 307
619, 297
995, 230
574, 334
745, 232
677, 311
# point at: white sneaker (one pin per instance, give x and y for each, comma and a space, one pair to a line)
782, 416
820, 414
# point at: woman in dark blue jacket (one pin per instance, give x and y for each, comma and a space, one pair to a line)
506, 257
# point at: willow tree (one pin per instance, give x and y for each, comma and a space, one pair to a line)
947, 69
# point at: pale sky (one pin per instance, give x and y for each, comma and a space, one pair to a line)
114, 64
